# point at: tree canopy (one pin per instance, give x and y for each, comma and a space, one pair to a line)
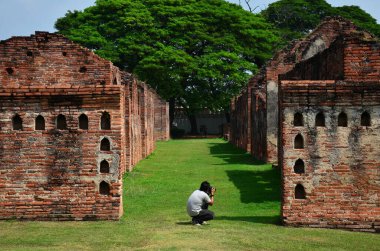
295, 18
197, 52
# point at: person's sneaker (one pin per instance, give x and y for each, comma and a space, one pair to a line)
195, 223
205, 223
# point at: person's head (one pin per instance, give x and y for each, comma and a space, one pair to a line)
205, 187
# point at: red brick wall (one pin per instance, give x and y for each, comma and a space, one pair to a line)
161, 119
50, 59
341, 176
239, 125
362, 58
56, 174
265, 85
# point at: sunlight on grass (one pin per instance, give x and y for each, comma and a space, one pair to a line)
247, 208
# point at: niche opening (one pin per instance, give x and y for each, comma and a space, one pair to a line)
365, 119
104, 188
61, 122
299, 192
17, 122
299, 166
83, 122
104, 167
298, 119
40, 123
105, 145
342, 119
298, 142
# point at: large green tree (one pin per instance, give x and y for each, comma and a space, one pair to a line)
295, 18
195, 53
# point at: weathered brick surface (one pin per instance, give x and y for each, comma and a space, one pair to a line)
57, 174
330, 170
341, 178
263, 120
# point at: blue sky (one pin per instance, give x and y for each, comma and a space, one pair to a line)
23, 17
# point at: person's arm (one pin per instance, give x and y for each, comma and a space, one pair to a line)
212, 197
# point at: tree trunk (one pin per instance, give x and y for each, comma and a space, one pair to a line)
227, 116
193, 124
171, 111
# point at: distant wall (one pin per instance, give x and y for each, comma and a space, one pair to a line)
213, 123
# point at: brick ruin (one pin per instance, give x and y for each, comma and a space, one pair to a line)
315, 110
71, 124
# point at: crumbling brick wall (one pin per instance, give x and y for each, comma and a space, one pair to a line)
68, 124
330, 137
265, 87
330, 170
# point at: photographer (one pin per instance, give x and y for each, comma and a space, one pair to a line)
198, 202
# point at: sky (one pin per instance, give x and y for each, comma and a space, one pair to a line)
24, 17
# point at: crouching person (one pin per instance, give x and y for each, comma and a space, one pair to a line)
198, 202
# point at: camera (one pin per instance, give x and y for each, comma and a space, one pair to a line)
210, 190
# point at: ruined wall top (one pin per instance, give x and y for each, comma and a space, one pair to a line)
49, 59
317, 41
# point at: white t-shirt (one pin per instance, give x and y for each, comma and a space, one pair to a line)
195, 202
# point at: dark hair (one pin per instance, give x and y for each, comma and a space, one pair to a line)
205, 187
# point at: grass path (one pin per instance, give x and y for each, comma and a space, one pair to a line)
247, 205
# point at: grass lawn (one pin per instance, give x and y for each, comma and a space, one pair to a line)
247, 205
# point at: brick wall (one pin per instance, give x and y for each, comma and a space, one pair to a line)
71, 124
55, 174
265, 86
341, 160
362, 58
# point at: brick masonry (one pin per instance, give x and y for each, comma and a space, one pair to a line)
262, 117
327, 127
70, 173
341, 175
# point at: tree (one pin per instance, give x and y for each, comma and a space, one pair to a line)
195, 53
295, 18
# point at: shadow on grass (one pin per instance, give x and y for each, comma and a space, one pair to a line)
257, 186
184, 223
275, 220
232, 155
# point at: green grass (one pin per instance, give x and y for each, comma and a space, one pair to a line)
247, 205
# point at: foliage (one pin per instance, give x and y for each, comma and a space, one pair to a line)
247, 208
295, 18
361, 18
200, 52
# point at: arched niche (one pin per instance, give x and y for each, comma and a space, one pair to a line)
61, 122
365, 119
40, 123
298, 119
17, 122
298, 142
104, 188
299, 192
299, 166
105, 121
83, 122
104, 166
320, 120
105, 145
342, 119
